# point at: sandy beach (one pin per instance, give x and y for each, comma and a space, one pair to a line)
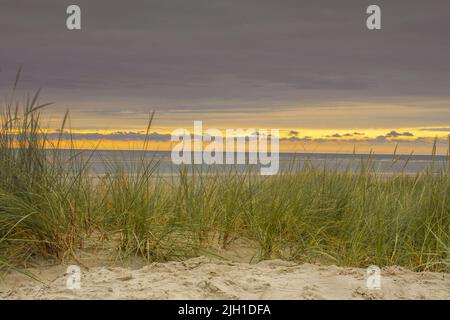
205, 278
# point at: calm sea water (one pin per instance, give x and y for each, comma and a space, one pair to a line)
131, 160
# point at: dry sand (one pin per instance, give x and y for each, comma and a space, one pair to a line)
203, 278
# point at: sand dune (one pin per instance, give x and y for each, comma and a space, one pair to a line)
203, 278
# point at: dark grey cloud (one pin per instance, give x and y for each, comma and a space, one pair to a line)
395, 134
392, 136
299, 139
336, 135
118, 136
376, 140
207, 55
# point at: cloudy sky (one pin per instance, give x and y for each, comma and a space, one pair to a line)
309, 68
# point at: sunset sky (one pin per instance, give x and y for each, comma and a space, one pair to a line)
309, 68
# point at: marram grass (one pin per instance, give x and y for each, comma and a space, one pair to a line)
49, 204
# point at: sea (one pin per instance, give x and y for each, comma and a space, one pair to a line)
102, 161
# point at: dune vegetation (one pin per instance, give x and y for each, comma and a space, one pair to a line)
50, 204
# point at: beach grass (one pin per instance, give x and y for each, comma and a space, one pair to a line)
50, 203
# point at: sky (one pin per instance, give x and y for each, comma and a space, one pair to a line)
309, 68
